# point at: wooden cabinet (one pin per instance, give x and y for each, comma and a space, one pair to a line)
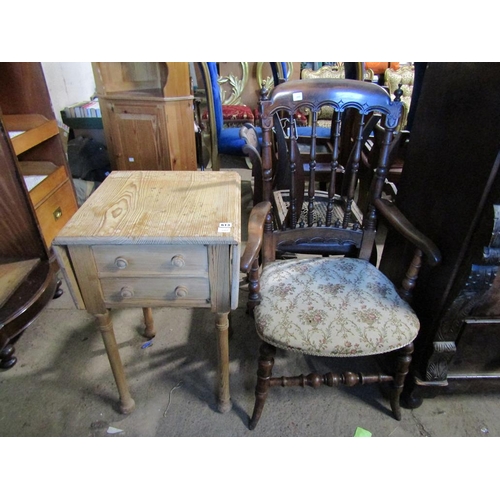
34, 134
147, 114
138, 133
450, 189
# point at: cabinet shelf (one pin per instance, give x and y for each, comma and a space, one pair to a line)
28, 130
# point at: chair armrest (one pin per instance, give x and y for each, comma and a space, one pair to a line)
399, 222
255, 235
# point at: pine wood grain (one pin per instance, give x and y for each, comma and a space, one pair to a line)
158, 208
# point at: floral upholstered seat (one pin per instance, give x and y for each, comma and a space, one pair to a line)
319, 306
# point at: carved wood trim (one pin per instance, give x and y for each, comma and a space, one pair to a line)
478, 283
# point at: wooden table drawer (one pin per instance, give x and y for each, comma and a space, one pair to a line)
141, 260
55, 211
143, 290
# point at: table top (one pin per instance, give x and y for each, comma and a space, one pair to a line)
159, 207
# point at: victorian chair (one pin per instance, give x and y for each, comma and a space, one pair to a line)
334, 303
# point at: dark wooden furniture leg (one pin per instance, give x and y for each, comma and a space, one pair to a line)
264, 372
59, 291
402, 367
7, 358
22, 309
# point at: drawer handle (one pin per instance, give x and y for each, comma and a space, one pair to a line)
57, 213
121, 263
181, 291
178, 261
127, 292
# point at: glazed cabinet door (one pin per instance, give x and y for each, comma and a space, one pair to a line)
138, 135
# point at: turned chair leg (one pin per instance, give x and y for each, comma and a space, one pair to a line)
266, 363
402, 368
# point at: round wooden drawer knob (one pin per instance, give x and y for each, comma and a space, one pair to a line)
181, 291
127, 292
121, 263
178, 261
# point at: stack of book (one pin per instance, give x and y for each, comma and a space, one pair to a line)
86, 109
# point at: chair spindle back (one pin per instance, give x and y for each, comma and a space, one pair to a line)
317, 193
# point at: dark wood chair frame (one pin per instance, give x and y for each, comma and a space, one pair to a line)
268, 236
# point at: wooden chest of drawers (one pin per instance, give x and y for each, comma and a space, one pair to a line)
156, 239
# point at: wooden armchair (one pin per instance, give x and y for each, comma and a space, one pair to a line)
335, 303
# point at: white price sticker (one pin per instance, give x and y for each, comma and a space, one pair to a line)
225, 227
297, 96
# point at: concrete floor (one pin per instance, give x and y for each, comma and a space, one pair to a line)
62, 385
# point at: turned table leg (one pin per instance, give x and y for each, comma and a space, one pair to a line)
149, 331
222, 328
127, 404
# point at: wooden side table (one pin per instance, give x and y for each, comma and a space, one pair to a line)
156, 239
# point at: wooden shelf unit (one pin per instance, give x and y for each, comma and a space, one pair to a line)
147, 114
52, 194
27, 275
34, 134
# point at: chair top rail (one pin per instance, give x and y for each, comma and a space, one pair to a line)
340, 94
